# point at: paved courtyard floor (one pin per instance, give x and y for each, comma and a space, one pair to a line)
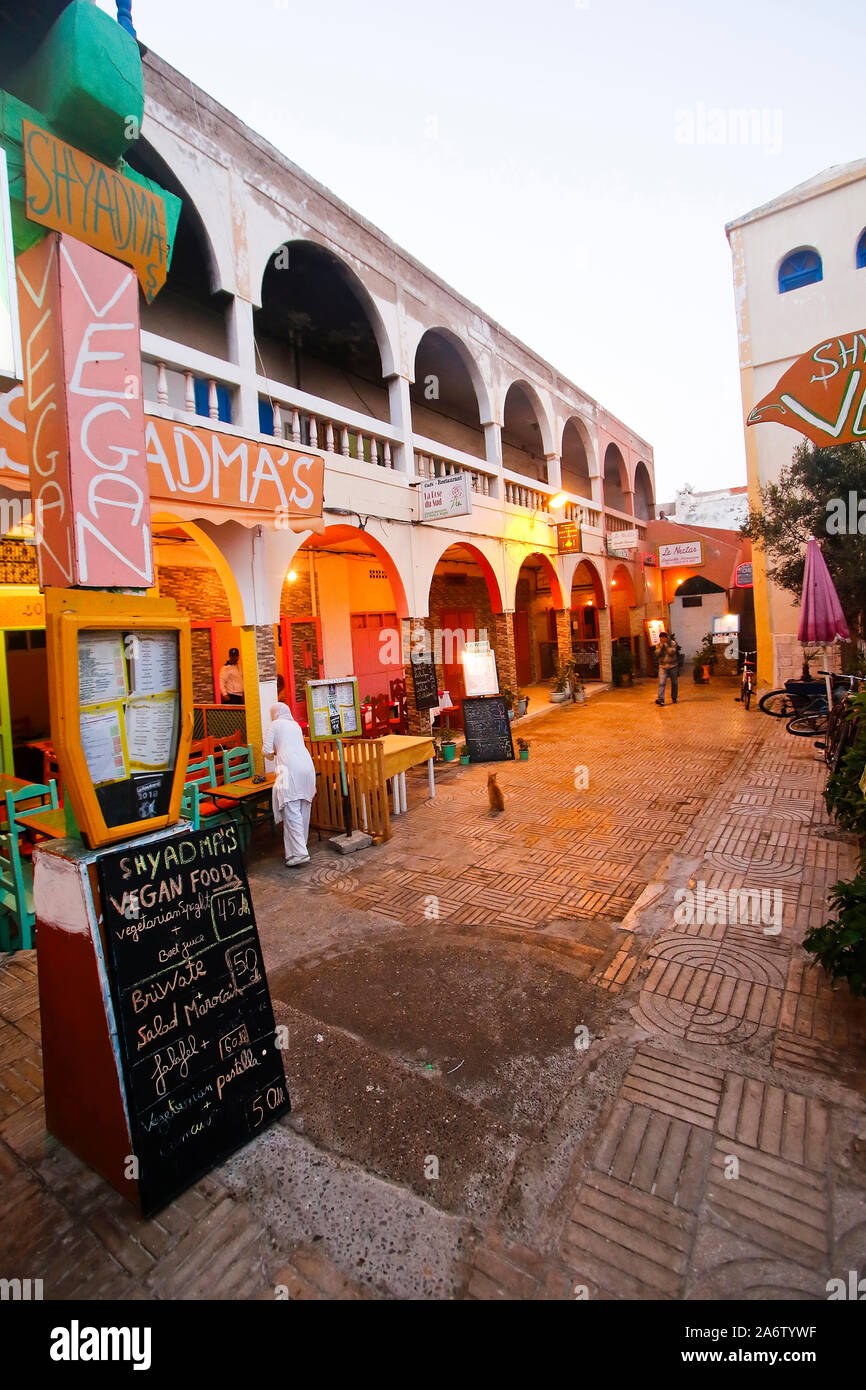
517, 1068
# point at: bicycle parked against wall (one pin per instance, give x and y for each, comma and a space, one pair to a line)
842, 723
748, 685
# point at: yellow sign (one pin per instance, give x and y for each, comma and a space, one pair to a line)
120, 678
70, 192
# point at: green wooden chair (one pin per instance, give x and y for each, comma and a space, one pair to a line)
237, 766
196, 804
17, 917
237, 763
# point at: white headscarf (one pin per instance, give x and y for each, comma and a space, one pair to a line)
281, 711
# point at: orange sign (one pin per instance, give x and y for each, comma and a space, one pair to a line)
83, 415
823, 395
71, 192
200, 465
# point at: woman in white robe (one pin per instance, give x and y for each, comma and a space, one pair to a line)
295, 786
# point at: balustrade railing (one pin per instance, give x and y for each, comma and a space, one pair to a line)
432, 466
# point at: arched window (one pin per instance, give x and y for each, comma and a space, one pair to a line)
861, 251
802, 267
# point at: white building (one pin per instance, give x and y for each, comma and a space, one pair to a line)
726, 508
799, 278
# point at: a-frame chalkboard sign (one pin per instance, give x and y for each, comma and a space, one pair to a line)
201, 1070
487, 729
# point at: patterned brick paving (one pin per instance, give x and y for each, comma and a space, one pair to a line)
722, 1161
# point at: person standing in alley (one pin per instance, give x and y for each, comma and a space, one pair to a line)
231, 680
668, 658
295, 786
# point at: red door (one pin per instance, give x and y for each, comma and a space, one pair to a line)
456, 624
522, 654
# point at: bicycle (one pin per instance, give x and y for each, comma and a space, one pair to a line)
748, 682
798, 697
842, 726
821, 712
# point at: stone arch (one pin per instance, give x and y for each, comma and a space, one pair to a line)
644, 498
615, 479
485, 562
469, 363
539, 411
576, 458
322, 310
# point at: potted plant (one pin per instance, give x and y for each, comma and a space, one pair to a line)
578, 690
561, 686
510, 699
622, 665
523, 749
449, 743
809, 654
464, 756
705, 660
522, 705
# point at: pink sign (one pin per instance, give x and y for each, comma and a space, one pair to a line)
84, 416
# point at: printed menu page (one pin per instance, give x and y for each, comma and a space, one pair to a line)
103, 743
152, 662
101, 668
151, 727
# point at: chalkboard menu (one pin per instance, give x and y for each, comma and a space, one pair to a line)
487, 729
201, 1069
424, 681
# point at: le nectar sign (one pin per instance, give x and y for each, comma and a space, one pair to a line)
823, 395
83, 415
681, 554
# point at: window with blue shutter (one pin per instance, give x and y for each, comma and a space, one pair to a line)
800, 268
224, 400
266, 417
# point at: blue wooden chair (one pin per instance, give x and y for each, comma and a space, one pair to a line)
17, 917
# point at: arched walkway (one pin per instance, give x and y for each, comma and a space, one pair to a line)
524, 443
644, 502
449, 399
465, 605
319, 330
537, 600
575, 460
615, 479
588, 631
341, 611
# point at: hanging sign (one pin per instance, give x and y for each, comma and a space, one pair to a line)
445, 497
823, 395
84, 417
618, 541
70, 192
743, 576
333, 709
568, 539
681, 554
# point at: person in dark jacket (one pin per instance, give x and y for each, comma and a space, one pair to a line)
668, 658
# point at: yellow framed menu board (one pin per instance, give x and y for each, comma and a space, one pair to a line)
120, 685
333, 709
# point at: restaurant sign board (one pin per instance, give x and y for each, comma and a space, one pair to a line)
620, 541
823, 395
445, 497
69, 191
743, 576
568, 538
681, 554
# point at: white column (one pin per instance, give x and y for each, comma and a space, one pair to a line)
401, 418
242, 351
493, 454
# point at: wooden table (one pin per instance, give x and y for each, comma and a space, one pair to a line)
49, 822
238, 794
8, 783
402, 751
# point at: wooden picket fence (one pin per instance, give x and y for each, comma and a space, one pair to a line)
368, 791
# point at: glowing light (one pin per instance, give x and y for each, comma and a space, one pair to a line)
292, 576
613, 583
558, 500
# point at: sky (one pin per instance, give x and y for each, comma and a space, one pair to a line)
557, 162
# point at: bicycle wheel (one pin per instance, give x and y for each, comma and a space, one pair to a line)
807, 725
778, 703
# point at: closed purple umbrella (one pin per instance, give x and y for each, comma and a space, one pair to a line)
821, 616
